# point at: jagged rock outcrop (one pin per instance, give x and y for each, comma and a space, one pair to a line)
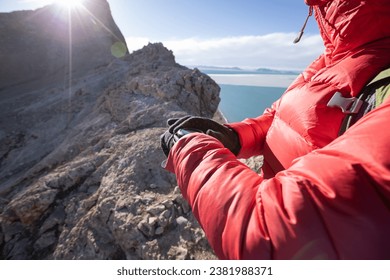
48, 44
80, 174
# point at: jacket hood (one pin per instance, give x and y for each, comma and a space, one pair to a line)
349, 25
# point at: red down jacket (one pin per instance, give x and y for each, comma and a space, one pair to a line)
324, 197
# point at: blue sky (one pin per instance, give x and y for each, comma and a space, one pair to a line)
234, 33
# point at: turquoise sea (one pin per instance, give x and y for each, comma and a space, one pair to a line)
247, 94
239, 102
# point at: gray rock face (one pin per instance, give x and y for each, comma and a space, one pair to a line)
80, 174
45, 45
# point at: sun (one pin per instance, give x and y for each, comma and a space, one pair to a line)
68, 3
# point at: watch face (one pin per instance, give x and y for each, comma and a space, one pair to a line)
181, 132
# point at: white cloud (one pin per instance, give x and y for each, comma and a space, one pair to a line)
274, 50
136, 43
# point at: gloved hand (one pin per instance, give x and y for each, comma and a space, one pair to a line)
228, 137
167, 141
169, 138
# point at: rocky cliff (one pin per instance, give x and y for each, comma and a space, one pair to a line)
51, 43
80, 174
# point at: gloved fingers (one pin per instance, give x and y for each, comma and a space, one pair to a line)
224, 134
163, 144
171, 121
215, 134
209, 124
167, 141
198, 123
176, 122
228, 138
222, 137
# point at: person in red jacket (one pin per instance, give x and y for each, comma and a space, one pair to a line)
320, 195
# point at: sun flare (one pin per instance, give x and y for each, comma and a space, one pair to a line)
68, 3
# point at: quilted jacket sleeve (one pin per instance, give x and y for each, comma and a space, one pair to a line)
252, 133
332, 203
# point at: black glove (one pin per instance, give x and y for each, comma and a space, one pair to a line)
168, 139
228, 137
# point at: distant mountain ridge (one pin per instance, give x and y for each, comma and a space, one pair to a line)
276, 72
238, 70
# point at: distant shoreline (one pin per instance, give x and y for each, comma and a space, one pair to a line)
260, 80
